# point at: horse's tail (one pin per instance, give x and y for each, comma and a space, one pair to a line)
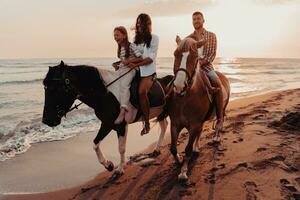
163, 115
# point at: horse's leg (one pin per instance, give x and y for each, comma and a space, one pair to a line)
194, 131
174, 137
163, 124
122, 137
102, 133
196, 147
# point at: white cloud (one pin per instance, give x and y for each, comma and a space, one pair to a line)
166, 7
275, 1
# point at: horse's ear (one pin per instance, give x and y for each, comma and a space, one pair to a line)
200, 43
62, 63
178, 39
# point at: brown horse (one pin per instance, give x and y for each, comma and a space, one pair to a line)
190, 105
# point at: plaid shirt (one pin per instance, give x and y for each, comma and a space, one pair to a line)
209, 48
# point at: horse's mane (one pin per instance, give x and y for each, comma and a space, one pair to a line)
186, 44
89, 76
86, 75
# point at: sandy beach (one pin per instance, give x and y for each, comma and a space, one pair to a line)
258, 158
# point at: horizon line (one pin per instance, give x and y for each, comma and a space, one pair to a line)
220, 57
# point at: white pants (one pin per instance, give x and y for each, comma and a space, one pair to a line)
124, 86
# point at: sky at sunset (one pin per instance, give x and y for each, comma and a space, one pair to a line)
73, 28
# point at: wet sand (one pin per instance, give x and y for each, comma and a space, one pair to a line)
258, 158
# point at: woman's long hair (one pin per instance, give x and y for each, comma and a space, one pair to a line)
144, 21
123, 30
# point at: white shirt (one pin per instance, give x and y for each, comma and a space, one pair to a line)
133, 52
151, 52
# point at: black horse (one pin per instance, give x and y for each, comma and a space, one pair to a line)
64, 84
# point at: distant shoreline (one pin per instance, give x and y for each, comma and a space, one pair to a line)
61, 58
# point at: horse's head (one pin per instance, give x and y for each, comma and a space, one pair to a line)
59, 96
185, 63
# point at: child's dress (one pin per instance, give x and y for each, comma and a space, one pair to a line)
125, 81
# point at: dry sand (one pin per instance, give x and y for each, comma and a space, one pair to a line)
259, 158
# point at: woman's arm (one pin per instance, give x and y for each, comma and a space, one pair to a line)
137, 55
132, 60
145, 61
149, 54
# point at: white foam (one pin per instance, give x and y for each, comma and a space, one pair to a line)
30, 132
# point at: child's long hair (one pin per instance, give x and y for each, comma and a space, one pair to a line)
144, 36
123, 30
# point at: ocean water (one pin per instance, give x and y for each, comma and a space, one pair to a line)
22, 95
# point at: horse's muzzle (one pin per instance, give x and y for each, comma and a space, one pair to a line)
179, 93
50, 122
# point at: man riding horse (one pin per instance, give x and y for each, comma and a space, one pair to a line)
206, 56
191, 105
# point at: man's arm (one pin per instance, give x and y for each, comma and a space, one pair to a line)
211, 49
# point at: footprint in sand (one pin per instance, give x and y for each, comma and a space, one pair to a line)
244, 164
289, 189
298, 180
260, 149
251, 189
259, 117
238, 140
284, 181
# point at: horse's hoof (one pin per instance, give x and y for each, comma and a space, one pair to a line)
110, 166
155, 153
179, 160
182, 177
119, 171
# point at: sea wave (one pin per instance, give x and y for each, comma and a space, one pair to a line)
21, 82
26, 133
23, 72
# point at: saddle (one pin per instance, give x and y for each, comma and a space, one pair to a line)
156, 95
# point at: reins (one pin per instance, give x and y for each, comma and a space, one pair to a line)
112, 82
67, 84
189, 81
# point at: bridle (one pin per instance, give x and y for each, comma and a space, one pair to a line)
189, 82
72, 91
68, 89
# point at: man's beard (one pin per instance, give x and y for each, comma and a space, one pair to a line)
198, 26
